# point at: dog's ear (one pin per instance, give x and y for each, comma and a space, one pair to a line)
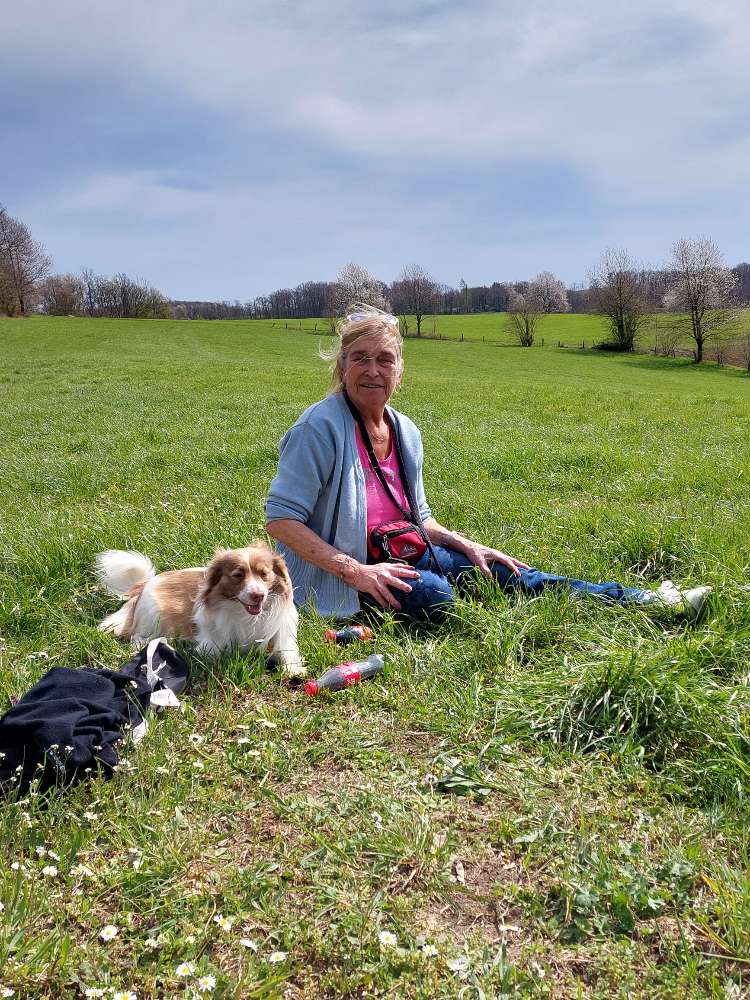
283, 583
214, 573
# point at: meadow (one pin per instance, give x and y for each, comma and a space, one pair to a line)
540, 798
571, 330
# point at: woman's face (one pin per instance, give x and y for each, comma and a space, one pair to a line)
372, 370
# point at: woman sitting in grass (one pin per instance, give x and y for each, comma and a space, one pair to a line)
350, 465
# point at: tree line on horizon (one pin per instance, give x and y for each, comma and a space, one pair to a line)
695, 285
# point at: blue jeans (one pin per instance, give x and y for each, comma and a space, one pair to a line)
432, 595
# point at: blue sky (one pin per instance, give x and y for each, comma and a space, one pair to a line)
224, 150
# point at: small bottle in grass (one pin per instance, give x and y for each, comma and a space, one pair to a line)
346, 674
352, 633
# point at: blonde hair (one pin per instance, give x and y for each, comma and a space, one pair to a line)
360, 321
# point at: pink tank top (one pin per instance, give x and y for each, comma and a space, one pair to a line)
380, 507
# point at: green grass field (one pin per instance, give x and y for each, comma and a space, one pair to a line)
570, 330
540, 798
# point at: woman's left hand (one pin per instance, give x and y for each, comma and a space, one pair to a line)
483, 556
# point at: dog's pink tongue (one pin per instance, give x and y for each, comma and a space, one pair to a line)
252, 609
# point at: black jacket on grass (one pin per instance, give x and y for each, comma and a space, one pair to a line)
69, 723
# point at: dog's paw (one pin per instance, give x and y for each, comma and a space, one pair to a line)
294, 670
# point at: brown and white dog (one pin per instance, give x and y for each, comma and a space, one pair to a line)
242, 599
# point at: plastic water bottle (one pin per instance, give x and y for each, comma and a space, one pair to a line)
346, 674
352, 633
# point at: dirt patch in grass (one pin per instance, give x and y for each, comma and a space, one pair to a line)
476, 908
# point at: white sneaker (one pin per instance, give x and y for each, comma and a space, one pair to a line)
691, 602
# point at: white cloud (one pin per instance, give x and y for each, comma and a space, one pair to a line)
646, 106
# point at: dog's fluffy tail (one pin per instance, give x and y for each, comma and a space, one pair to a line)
121, 571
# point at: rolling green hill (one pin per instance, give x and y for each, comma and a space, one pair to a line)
540, 798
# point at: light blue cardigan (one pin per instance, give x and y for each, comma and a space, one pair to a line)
320, 483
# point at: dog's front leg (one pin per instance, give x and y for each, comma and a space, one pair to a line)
283, 648
207, 647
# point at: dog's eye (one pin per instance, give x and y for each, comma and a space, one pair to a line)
238, 574
266, 574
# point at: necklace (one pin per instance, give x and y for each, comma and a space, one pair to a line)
380, 438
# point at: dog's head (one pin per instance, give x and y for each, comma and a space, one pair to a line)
248, 576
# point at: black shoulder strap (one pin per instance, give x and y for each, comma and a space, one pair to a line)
413, 513
408, 514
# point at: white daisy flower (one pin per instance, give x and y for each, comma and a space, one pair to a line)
199, 765
190, 939
249, 944
15, 866
50, 871
243, 740
124, 995
277, 956
6, 991
94, 991
83, 871
55, 857
429, 950
224, 922
267, 723
41, 851
388, 939
108, 933
90, 816
195, 738
185, 969
206, 984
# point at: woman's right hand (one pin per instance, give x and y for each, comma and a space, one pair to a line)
375, 579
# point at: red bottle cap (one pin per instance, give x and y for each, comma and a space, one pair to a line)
330, 635
311, 687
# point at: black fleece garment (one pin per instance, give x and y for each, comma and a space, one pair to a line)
70, 720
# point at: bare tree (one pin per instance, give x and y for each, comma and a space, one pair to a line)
550, 293
414, 293
618, 295
62, 295
121, 297
703, 288
23, 264
523, 315
667, 335
354, 284
742, 344
90, 282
